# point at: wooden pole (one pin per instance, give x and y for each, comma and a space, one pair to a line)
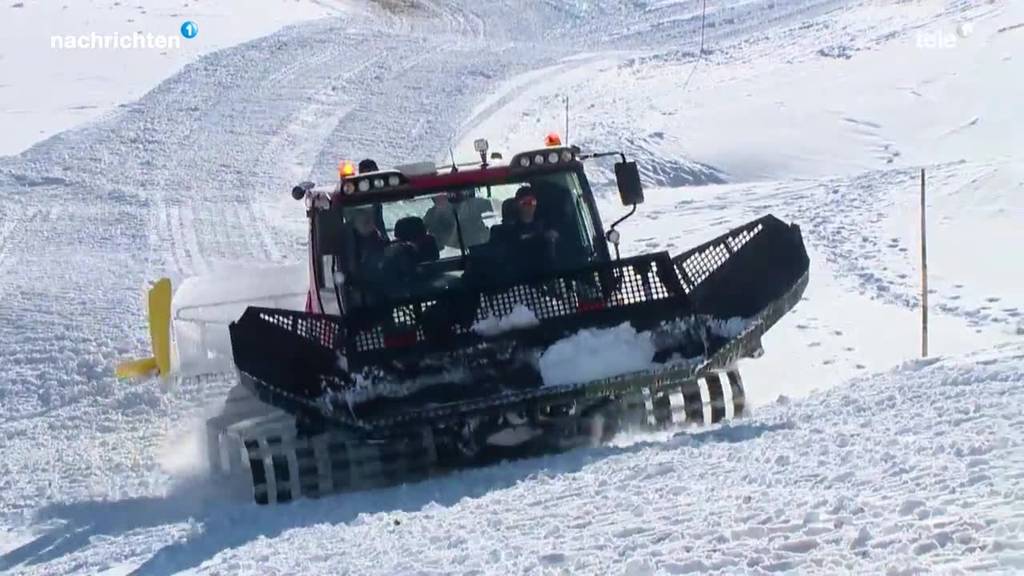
924, 273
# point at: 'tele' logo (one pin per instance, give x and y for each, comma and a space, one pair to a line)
189, 29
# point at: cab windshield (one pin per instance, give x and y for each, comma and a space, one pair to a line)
424, 244
476, 211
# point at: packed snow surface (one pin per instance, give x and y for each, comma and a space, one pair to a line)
914, 470
822, 112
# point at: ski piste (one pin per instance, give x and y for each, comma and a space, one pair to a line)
853, 453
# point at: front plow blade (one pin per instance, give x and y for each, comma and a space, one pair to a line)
159, 309
714, 302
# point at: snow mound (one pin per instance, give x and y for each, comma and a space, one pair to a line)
728, 328
520, 317
596, 353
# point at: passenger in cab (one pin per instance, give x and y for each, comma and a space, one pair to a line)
370, 241
440, 220
382, 266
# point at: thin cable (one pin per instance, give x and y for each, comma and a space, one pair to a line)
700, 53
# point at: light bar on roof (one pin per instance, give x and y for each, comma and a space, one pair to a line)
373, 182
553, 156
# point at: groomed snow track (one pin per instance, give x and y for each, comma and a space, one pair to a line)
253, 442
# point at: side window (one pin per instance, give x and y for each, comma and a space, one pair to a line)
587, 226
582, 215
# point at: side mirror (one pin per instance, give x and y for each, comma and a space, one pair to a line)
627, 176
299, 192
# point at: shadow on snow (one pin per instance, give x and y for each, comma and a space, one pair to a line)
226, 523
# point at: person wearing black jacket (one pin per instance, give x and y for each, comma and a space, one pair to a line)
527, 226
530, 236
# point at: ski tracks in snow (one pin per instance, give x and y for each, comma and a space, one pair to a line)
10, 219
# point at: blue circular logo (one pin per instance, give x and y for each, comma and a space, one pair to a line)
189, 29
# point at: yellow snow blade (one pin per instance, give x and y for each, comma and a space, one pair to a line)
136, 368
160, 324
159, 335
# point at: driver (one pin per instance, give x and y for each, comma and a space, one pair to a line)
534, 241
527, 226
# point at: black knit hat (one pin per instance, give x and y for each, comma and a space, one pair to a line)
367, 165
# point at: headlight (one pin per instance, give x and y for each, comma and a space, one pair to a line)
349, 187
538, 159
566, 156
524, 162
394, 180
378, 182
552, 157
364, 185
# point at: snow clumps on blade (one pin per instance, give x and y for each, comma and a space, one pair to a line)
520, 317
730, 328
593, 354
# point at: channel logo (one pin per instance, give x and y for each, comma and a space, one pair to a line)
189, 29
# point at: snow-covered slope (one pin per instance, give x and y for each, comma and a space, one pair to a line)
917, 469
48, 87
820, 112
834, 484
